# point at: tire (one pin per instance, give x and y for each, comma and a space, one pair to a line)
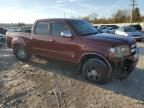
96, 71
21, 54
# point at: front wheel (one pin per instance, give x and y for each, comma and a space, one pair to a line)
95, 70
21, 53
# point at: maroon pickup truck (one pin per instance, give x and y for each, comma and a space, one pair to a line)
99, 56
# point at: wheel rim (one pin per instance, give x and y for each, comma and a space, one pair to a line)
92, 73
21, 53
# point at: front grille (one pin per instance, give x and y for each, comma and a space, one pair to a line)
133, 48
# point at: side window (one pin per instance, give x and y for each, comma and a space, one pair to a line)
57, 28
42, 28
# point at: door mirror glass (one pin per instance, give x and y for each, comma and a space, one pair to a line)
67, 34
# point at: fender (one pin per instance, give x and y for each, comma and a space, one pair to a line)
18, 40
100, 56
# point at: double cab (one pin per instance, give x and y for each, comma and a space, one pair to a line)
100, 56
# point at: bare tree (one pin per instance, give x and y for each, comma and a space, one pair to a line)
121, 16
136, 15
91, 17
21, 24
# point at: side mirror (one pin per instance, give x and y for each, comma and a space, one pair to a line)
66, 34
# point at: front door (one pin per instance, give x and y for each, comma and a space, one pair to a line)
63, 47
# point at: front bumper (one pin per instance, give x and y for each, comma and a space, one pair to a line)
125, 66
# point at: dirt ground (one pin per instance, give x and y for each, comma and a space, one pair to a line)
51, 84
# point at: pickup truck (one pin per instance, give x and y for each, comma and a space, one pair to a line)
100, 57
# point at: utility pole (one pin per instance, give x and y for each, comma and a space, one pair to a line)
64, 14
133, 4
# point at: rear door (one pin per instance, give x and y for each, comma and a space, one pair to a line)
41, 40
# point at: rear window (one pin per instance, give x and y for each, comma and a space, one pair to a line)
42, 28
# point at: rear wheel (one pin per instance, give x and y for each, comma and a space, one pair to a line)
21, 53
95, 70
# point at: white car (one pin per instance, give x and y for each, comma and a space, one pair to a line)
2, 37
129, 32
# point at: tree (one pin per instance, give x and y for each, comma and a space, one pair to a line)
136, 15
91, 17
142, 18
121, 16
21, 24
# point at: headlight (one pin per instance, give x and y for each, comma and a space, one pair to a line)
120, 51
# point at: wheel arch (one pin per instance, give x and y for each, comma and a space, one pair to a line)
18, 41
88, 56
17, 44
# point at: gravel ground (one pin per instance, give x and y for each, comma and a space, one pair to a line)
51, 84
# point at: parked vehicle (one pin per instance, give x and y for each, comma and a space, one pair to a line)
113, 29
95, 26
100, 56
129, 32
137, 27
26, 29
105, 30
108, 28
101, 27
3, 31
12, 29
2, 37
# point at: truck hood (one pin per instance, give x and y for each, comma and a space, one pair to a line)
111, 38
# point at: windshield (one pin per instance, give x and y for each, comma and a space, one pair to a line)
83, 28
130, 29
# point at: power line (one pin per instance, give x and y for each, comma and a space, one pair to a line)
133, 4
